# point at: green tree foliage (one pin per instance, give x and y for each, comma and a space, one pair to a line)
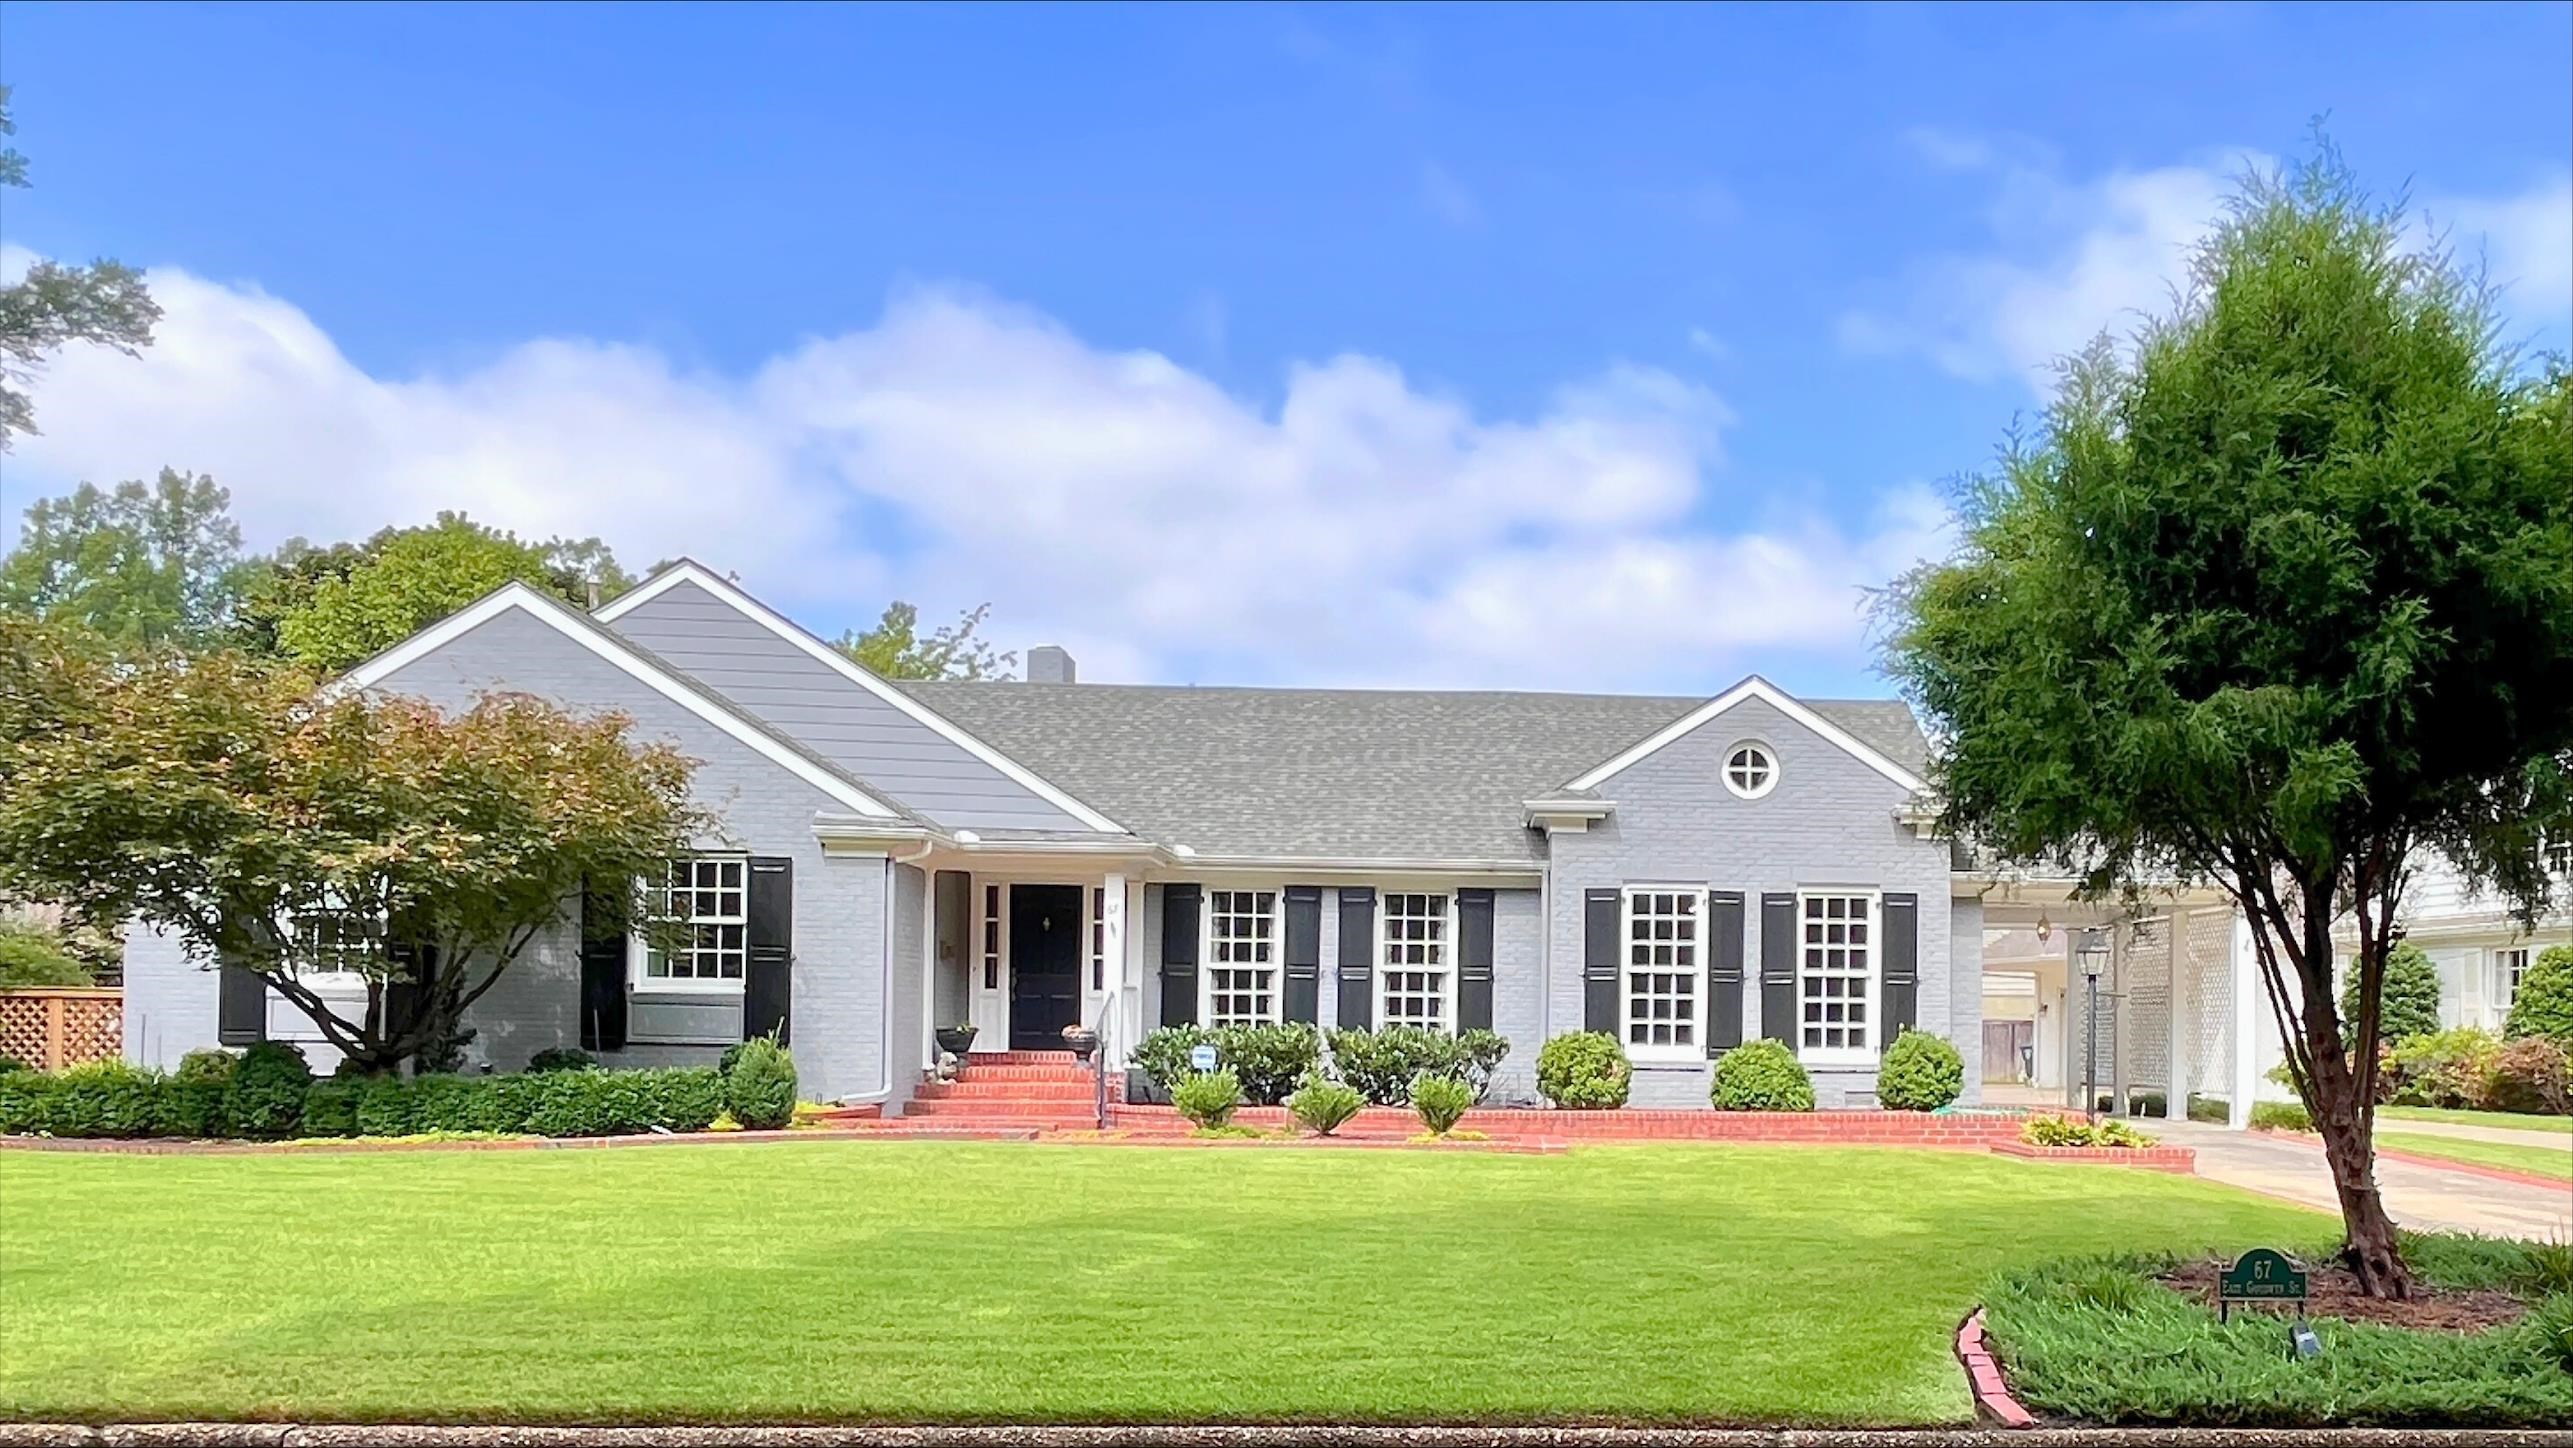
2278, 601
2544, 1005
284, 828
2411, 1006
139, 564
331, 610
894, 648
33, 954
54, 306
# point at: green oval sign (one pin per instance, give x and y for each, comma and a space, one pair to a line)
2261, 1274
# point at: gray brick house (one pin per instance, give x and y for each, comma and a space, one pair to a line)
1686, 873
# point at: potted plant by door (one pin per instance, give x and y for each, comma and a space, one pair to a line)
1081, 1039
956, 1040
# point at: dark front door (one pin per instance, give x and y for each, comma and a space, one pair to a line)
1045, 964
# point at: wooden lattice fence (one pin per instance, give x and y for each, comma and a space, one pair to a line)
54, 1027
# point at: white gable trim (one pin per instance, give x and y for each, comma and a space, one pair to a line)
519, 597
1761, 689
689, 571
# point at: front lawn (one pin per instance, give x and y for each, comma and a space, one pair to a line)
836, 1281
2507, 1120
2549, 1161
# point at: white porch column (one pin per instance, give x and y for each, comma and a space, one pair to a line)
1112, 953
2184, 1008
1130, 1002
2244, 977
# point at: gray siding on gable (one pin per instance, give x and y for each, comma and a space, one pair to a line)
835, 717
1829, 821
840, 923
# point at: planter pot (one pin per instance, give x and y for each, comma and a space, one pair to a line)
956, 1040
1083, 1041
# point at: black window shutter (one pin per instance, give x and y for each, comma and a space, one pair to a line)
1357, 956
413, 964
241, 1007
603, 962
1724, 972
1778, 968
1901, 983
1180, 909
1303, 999
768, 985
1600, 967
1474, 960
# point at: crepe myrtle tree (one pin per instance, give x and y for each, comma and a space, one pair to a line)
286, 828
2280, 599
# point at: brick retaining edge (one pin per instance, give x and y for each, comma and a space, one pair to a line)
1992, 1400
2181, 1159
2474, 1168
300, 1435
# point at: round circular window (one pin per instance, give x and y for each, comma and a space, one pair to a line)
1749, 771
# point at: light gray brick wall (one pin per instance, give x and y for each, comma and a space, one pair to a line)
1518, 989
840, 920
908, 1051
1829, 821
170, 1001
1965, 990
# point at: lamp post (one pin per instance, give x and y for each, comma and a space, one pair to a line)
2092, 956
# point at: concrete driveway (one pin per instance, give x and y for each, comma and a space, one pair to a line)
2424, 1198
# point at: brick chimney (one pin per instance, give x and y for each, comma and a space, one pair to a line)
1049, 664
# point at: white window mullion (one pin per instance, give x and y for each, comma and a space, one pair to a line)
1415, 978
708, 898
1663, 980
1238, 980
1837, 957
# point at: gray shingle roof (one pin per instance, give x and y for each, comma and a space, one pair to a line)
1334, 773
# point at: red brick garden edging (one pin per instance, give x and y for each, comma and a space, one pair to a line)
2476, 1168
1992, 1398
1965, 1130
2147, 1158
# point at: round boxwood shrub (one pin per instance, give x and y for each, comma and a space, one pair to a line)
266, 1098
1323, 1106
2544, 1005
1761, 1075
1584, 1071
1441, 1102
1921, 1072
760, 1089
1208, 1100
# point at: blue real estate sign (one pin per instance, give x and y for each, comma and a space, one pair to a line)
1201, 1058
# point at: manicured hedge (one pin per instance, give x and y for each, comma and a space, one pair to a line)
1584, 1071
112, 1099
1921, 1072
1761, 1075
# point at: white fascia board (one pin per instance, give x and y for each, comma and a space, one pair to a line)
690, 571
520, 597
1759, 688
1185, 868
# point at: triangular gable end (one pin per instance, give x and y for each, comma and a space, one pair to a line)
559, 617
1759, 688
688, 570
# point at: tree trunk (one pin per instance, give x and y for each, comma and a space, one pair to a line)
2369, 1248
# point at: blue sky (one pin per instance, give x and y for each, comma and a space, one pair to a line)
1518, 346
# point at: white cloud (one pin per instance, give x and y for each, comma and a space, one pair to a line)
2069, 259
962, 449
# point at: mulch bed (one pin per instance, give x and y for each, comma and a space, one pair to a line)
2335, 1293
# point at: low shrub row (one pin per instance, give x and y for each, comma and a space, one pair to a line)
2064, 1131
1270, 1063
2475, 1070
269, 1093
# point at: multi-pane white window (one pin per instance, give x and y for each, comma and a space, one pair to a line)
1415, 981
1835, 974
334, 948
1241, 957
1665, 987
708, 898
2510, 967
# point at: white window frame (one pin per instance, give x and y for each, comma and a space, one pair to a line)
1768, 756
1445, 943
1873, 997
638, 948
1208, 965
2509, 961
1695, 1049
332, 982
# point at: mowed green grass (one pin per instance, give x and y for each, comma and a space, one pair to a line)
2509, 1120
929, 1281
2547, 1161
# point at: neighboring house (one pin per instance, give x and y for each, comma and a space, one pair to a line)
2481, 951
1685, 873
